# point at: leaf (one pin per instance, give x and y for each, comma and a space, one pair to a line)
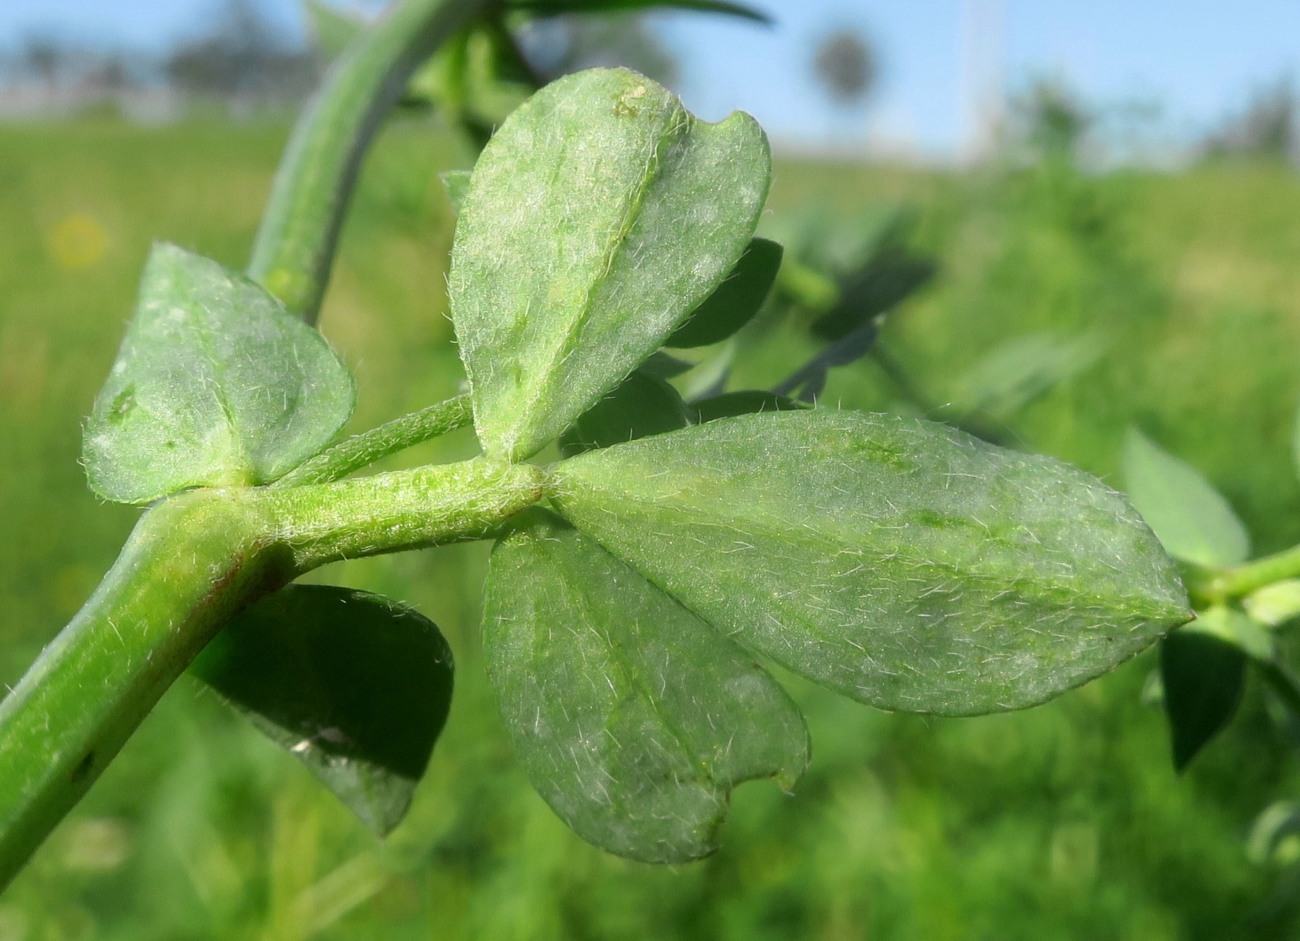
748, 402
643, 405
1274, 604
883, 282
899, 562
215, 385
633, 718
1266, 844
456, 182
1204, 677
735, 301
331, 28
1019, 370
1192, 519
356, 686
809, 380
1237, 628
599, 216
557, 7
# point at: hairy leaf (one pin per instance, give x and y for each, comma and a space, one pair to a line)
599, 216
356, 686
215, 385
642, 405
735, 301
1192, 519
900, 562
633, 718
1204, 676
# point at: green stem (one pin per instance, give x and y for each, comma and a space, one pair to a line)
397, 435
1224, 585
295, 245
190, 563
193, 562
409, 509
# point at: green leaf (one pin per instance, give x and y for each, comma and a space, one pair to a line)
735, 301
599, 216
899, 562
633, 718
1192, 519
882, 283
1204, 677
215, 385
557, 7
456, 182
331, 28
641, 406
747, 402
356, 686
1237, 628
1274, 604
1016, 372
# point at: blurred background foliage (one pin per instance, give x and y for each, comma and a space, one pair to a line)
1032, 298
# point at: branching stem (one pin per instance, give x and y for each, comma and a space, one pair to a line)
397, 435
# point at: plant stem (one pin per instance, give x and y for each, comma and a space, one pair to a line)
192, 562
397, 435
189, 564
295, 245
409, 509
1224, 585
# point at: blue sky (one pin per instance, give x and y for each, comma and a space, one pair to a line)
1192, 57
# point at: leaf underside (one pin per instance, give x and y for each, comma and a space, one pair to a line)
598, 217
215, 385
642, 405
632, 717
1204, 677
899, 562
356, 686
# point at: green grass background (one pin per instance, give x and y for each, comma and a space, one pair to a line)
1065, 821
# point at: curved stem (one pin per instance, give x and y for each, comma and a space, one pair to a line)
295, 245
397, 435
192, 562
187, 567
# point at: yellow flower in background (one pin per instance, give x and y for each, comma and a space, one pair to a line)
77, 241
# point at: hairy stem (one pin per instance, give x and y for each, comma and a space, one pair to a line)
295, 245
190, 564
194, 561
389, 438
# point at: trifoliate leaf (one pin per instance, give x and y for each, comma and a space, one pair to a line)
215, 385
356, 686
633, 718
598, 217
899, 562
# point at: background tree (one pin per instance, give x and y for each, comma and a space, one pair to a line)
845, 66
